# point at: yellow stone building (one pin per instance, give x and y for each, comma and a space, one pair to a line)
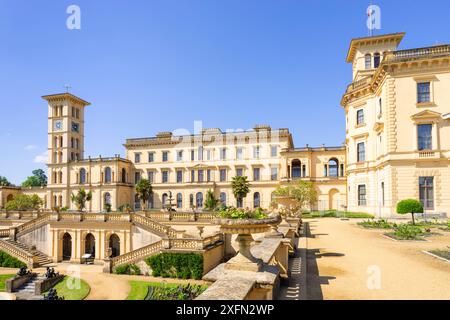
397, 118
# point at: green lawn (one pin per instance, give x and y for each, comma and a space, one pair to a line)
336, 214
63, 290
3, 278
139, 289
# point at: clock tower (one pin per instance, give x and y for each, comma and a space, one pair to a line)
65, 142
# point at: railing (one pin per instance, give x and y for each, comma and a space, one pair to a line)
16, 252
208, 241
427, 154
33, 224
19, 214
182, 216
153, 225
190, 244
4, 233
359, 84
138, 254
418, 53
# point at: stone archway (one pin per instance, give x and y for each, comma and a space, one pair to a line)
114, 244
333, 199
89, 244
67, 247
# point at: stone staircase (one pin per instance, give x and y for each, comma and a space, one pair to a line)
40, 258
27, 291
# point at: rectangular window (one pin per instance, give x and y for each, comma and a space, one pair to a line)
256, 174
426, 192
180, 155
165, 176
137, 158
192, 175
151, 176
200, 175
368, 61
361, 149
200, 153
239, 172
362, 195
273, 151
192, 155
360, 117
423, 92
223, 154
208, 175
208, 155
137, 177
151, 157
424, 137
273, 173
165, 156
256, 152
223, 175
239, 154
179, 176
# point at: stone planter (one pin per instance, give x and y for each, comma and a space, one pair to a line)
286, 202
244, 228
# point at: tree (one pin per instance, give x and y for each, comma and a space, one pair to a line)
81, 198
240, 187
210, 201
301, 195
410, 206
38, 179
4, 182
144, 190
23, 202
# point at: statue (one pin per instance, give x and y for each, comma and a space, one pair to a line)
53, 295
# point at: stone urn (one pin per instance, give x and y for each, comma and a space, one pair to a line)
244, 228
287, 203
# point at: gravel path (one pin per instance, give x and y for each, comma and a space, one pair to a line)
345, 261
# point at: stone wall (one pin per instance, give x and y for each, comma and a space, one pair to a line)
141, 238
39, 238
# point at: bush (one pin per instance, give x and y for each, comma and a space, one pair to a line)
407, 232
130, 269
233, 213
23, 202
409, 206
7, 261
177, 265
377, 224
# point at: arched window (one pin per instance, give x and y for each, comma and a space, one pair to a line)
199, 200
376, 60
124, 176
108, 175
164, 199
191, 200
223, 198
82, 176
368, 61
256, 200
107, 198
90, 244
333, 167
296, 169
179, 200
114, 244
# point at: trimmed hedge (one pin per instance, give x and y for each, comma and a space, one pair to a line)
130, 269
177, 265
7, 261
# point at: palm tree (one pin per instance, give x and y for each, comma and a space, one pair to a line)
81, 198
240, 187
144, 190
210, 202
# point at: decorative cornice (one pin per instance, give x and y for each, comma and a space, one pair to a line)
61, 97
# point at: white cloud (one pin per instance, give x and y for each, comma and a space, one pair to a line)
41, 158
30, 147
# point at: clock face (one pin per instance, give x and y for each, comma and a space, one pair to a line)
75, 127
58, 125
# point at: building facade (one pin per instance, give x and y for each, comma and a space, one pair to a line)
397, 126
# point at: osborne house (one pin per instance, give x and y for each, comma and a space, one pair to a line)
397, 146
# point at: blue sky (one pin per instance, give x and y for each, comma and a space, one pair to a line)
159, 65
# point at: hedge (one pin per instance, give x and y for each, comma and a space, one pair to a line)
7, 261
177, 265
130, 269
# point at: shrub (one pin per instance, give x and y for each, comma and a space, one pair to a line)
407, 232
130, 269
376, 224
7, 261
189, 292
233, 213
177, 265
23, 202
410, 206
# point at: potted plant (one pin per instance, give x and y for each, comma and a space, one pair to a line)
244, 223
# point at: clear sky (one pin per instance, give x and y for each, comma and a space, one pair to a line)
159, 65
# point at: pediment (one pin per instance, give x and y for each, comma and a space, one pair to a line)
426, 114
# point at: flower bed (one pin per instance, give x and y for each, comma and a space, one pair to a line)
407, 232
376, 224
141, 290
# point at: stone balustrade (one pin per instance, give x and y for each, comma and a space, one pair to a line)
18, 253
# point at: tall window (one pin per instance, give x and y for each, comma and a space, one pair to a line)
362, 195
192, 155
360, 117
239, 172
165, 156
180, 155
256, 174
256, 200
165, 176
200, 175
296, 169
191, 200
179, 200
424, 137
382, 194
342, 170
199, 200
151, 176
179, 176
124, 176
426, 192
368, 61
239, 154
274, 173
376, 60
273, 151
137, 158
82, 176
223, 154
208, 175
423, 92
200, 153
137, 177
164, 200
361, 149
151, 157
223, 198
333, 167
151, 201
256, 152
208, 155
192, 175
223, 175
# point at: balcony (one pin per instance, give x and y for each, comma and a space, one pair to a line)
427, 154
418, 53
